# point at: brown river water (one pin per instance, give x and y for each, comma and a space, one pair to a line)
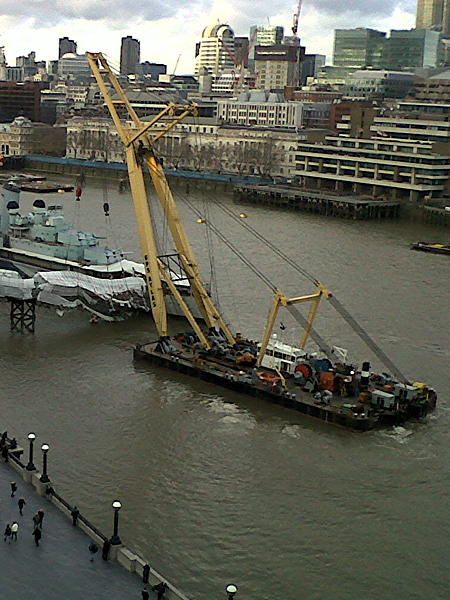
219, 488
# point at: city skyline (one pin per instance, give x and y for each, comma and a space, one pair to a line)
165, 35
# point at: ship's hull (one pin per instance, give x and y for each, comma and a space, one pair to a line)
301, 402
28, 264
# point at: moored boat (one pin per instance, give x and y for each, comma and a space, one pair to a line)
430, 247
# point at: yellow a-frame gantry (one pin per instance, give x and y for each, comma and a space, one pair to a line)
280, 300
138, 138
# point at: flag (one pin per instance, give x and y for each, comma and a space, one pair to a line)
282, 326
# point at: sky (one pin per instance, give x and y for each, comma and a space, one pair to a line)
169, 29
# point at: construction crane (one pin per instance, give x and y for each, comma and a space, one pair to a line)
139, 138
296, 18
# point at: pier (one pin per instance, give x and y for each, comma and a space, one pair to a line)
318, 202
61, 567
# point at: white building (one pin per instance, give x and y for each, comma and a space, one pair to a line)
216, 50
71, 66
261, 108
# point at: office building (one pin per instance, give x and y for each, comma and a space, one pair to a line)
429, 13
378, 85
277, 66
74, 66
310, 66
406, 157
20, 99
130, 55
266, 35
154, 70
216, 52
409, 49
65, 46
359, 48
261, 108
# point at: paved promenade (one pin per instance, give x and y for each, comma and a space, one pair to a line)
60, 567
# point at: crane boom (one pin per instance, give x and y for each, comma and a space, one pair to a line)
296, 18
139, 138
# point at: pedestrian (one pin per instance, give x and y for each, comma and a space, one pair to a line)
13, 488
5, 453
21, 502
13, 444
14, 530
145, 573
93, 549
75, 514
160, 588
37, 534
7, 534
145, 594
40, 514
36, 520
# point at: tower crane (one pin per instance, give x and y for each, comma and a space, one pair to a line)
296, 18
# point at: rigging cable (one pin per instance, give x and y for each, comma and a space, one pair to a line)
267, 242
233, 248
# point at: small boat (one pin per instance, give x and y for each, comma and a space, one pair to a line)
433, 248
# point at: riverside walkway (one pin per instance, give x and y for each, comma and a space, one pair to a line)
60, 567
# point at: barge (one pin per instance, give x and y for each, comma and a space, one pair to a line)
339, 396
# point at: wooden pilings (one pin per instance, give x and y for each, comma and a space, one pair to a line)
347, 207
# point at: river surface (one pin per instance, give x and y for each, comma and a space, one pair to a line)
217, 488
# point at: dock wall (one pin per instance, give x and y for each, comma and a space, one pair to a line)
123, 555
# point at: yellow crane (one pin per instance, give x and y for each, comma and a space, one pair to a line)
139, 138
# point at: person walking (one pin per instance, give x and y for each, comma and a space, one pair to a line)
14, 530
7, 534
5, 453
145, 594
93, 549
21, 503
13, 488
36, 520
161, 589
75, 513
40, 514
37, 534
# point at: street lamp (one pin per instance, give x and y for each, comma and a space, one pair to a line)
115, 539
30, 465
231, 590
44, 476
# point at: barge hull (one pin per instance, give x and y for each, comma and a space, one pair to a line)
316, 411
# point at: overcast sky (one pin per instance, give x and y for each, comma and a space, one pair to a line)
168, 28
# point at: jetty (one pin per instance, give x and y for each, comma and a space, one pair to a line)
320, 202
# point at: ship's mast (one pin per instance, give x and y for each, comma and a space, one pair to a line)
139, 137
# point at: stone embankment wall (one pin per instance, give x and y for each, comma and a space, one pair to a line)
128, 559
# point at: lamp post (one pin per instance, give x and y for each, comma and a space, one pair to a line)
231, 589
30, 465
115, 539
44, 476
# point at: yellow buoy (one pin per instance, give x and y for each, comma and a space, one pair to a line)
201, 220
243, 216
